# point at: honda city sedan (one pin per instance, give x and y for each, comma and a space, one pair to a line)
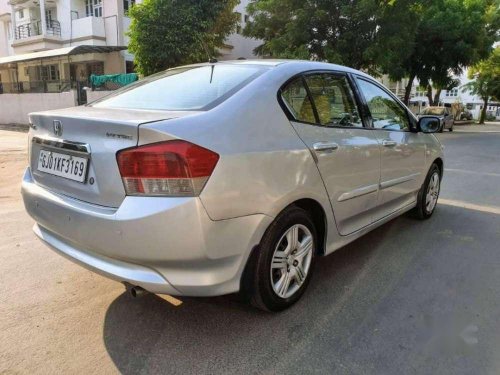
228, 177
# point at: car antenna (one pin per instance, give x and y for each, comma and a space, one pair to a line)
211, 60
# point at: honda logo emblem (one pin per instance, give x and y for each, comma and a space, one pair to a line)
58, 128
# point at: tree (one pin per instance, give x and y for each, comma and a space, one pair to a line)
337, 31
450, 35
486, 83
426, 39
167, 33
447, 83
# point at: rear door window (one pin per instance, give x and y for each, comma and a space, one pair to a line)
184, 89
334, 100
297, 100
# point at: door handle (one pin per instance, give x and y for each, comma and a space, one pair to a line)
325, 146
387, 143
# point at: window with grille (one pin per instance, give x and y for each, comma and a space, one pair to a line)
93, 8
50, 73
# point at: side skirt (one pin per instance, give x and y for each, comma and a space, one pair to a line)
344, 240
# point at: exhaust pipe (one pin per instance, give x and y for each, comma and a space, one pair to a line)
135, 291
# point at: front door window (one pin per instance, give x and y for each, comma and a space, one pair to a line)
385, 111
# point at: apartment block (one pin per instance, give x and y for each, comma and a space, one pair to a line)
50, 48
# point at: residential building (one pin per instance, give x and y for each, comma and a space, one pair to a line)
53, 46
459, 97
471, 102
237, 46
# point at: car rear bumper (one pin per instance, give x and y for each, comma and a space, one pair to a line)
165, 245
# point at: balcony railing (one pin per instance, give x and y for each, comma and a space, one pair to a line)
35, 28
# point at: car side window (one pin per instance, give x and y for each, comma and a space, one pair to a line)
297, 100
386, 112
334, 100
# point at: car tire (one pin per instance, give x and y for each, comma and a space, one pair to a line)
275, 261
425, 203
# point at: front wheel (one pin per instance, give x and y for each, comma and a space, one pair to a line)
285, 261
428, 194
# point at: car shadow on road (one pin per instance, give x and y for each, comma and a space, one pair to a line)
364, 305
207, 335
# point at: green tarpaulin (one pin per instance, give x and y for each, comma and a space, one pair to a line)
121, 79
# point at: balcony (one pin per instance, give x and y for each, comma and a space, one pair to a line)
35, 28
30, 37
89, 30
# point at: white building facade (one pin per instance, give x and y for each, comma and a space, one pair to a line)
458, 97
37, 40
237, 46
49, 49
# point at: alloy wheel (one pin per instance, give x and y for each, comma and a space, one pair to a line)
291, 260
432, 193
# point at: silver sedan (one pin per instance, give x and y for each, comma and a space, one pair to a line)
216, 178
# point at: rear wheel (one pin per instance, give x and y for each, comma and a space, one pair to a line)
428, 194
285, 261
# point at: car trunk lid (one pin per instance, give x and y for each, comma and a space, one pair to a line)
95, 134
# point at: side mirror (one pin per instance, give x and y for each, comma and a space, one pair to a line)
429, 124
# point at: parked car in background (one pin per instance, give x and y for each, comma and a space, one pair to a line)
444, 114
216, 178
466, 115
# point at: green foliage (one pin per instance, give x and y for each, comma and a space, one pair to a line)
486, 77
486, 80
427, 39
449, 36
396, 39
167, 33
339, 31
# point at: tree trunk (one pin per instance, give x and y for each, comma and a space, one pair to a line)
482, 116
406, 99
429, 95
436, 97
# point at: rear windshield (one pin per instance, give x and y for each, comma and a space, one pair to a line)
184, 89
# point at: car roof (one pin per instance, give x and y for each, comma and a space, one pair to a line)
297, 64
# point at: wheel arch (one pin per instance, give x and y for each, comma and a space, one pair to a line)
440, 164
319, 218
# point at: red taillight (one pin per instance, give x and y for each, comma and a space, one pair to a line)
173, 168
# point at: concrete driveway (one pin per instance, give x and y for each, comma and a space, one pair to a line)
409, 298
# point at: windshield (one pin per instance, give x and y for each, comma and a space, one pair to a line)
433, 111
183, 89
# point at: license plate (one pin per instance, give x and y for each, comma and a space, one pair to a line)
63, 165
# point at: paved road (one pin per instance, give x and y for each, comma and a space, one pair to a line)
409, 298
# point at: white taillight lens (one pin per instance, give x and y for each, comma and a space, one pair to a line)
173, 168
